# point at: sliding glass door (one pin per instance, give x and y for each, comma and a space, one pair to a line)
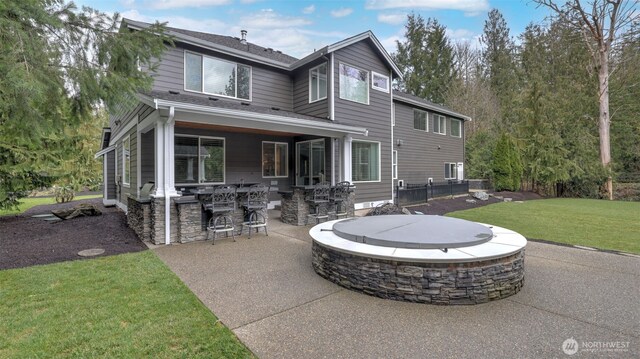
310, 163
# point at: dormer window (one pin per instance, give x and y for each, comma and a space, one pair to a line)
215, 76
318, 83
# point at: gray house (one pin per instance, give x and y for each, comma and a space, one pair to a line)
223, 110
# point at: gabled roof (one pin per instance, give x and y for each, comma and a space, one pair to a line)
232, 46
225, 44
428, 105
367, 35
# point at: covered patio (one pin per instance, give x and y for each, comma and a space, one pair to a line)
190, 143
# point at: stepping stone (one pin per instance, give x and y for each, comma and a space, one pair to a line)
91, 252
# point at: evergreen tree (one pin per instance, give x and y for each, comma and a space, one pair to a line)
507, 167
426, 59
58, 65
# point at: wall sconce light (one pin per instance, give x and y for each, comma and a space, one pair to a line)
438, 146
117, 122
399, 142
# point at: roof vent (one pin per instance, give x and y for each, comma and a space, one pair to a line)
174, 92
213, 98
245, 103
269, 49
276, 108
243, 39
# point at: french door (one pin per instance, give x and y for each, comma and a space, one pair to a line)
310, 162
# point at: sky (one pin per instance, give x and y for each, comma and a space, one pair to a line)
299, 27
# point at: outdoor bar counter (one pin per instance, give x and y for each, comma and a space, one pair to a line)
188, 217
295, 209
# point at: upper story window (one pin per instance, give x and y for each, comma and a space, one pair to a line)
380, 82
420, 120
318, 83
456, 128
354, 84
440, 124
216, 77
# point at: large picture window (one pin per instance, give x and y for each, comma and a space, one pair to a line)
199, 160
354, 84
275, 159
450, 171
365, 161
216, 77
440, 124
126, 161
318, 83
456, 128
420, 120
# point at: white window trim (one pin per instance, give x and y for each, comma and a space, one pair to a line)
366, 77
426, 121
444, 133
394, 164
373, 86
455, 164
318, 89
184, 76
379, 162
126, 139
224, 161
459, 124
286, 159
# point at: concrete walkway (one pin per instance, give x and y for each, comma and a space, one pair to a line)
266, 291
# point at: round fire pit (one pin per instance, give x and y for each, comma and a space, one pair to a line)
417, 258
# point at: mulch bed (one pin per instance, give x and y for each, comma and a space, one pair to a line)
27, 241
443, 206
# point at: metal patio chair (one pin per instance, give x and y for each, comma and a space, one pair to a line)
339, 195
222, 206
255, 204
318, 197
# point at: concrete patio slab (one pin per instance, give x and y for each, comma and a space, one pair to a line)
266, 291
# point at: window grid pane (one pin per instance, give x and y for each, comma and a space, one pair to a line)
456, 128
365, 161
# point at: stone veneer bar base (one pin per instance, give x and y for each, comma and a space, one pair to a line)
436, 283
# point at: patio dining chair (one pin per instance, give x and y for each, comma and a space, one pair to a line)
319, 197
339, 195
222, 206
254, 205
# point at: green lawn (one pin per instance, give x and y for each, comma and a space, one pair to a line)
124, 306
26, 203
593, 223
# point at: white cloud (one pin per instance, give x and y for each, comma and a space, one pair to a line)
392, 19
175, 4
342, 12
249, 1
309, 9
207, 25
463, 35
269, 19
128, 3
468, 6
389, 43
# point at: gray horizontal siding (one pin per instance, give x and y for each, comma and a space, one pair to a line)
423, 154
270, 88
301, 94
147, 157
376, 116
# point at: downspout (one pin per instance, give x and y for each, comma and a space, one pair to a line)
167, 198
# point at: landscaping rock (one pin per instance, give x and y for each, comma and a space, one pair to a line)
481, 195
508, 199
470, 200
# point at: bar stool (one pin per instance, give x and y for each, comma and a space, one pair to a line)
256, 202
318, 197
223, 204
339, 195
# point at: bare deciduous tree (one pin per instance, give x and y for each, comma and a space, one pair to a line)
600, 22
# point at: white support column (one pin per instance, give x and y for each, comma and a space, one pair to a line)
159, 158
346, 158
169, 163
333, 161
